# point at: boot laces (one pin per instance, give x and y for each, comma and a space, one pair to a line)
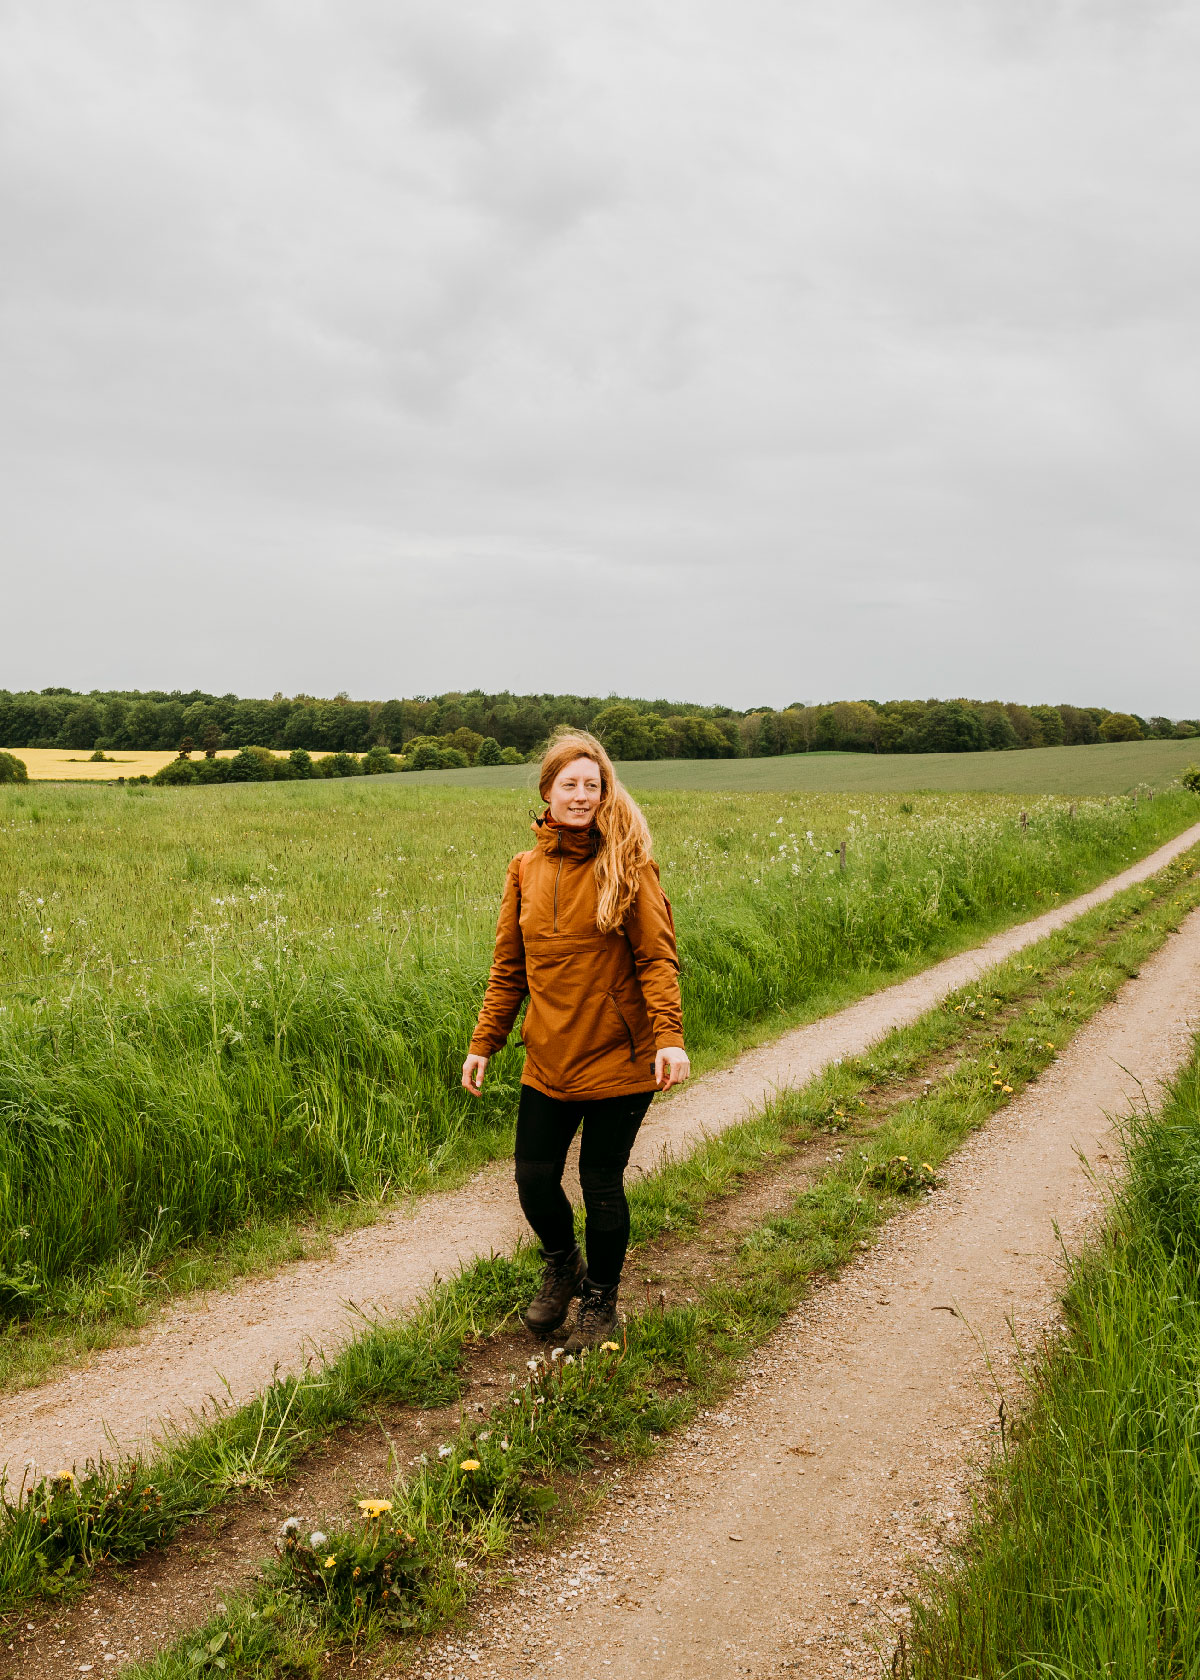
594, 1307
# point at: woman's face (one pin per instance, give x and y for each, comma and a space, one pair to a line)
575, 793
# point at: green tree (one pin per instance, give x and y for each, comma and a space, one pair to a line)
463, 740
379, 762
141, 726
83, 726
301, 762
628, 733
1052, 726
997, 726
694, 737
952, 727
1080, 727
489, 751
1028, 729
12, 769
339, 764
1120, 726
511, 755
252, 764
177, 773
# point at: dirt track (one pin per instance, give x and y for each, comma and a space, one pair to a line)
781, 1535
274, 1322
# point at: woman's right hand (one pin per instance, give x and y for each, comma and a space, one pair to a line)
474, 1069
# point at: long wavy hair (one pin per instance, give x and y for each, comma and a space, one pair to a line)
625, 845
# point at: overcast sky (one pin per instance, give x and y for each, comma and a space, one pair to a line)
750, 351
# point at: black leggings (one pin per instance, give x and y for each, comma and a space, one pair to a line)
545, 1127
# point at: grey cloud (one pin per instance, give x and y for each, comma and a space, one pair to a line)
785, 350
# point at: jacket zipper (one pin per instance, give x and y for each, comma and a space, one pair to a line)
559, 872
625, 1024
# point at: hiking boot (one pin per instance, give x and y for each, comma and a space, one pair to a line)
599, 1321
560, 1284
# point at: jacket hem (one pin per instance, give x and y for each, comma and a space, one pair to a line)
634, 1087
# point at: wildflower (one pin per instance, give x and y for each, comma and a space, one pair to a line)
504, 1443
485, 1434
316, 1540
1008, 1090
444, 1452
291, 1526
557, 1354
469, 1464
374, 1508
569, 1360
609, 1347
330, 1560
532, 1364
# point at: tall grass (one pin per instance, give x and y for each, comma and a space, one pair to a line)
1087, 1559
222, 1008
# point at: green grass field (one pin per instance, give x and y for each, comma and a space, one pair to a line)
1116, 767
221, 1005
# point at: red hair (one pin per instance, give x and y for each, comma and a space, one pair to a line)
625, 844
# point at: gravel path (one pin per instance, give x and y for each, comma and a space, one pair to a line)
273, 1323
781, 1535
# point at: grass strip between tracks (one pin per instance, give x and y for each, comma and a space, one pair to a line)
53, 1533
1085, 1558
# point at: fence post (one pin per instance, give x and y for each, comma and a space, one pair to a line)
842, 856
1024, 821
1071, 812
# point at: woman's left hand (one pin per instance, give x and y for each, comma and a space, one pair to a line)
673, 1062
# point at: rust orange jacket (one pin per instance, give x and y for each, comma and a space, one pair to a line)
600, 1004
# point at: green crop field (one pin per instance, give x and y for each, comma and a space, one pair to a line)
220, 1005
1113, 767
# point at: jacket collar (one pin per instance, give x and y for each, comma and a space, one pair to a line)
556, 839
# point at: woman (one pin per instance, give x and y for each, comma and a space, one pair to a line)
585, 933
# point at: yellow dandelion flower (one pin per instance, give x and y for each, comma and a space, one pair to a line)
374, 1508
609, 1347
469, 1464
330, 1561
1008, 1090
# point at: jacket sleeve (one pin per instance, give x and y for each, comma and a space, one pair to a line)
507, 986
650, 929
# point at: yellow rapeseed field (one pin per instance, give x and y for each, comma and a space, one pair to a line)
59, 764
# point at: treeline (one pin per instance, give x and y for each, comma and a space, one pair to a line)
452, 728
